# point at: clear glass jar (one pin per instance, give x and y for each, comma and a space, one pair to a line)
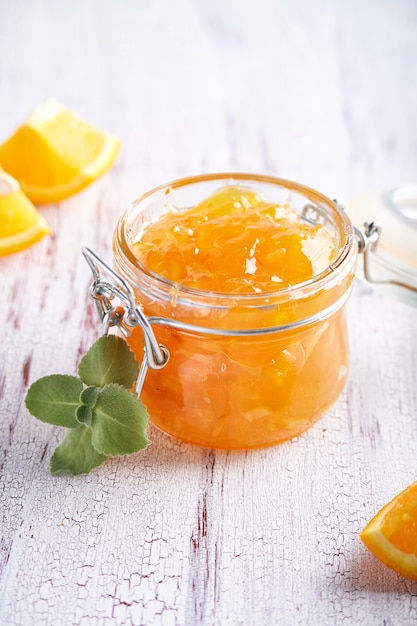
244, 371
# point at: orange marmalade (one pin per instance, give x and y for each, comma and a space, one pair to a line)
244, 280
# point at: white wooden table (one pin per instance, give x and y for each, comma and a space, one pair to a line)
322, 92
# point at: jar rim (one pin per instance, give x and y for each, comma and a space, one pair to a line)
122, 243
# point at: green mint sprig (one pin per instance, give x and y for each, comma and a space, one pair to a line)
104, 417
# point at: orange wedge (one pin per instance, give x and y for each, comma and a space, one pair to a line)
392, 534
21, 225
54, 154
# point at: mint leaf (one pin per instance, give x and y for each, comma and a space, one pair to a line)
75, 454
84, 414
104, 417
109, 360
89, 396
119, 422
54, 399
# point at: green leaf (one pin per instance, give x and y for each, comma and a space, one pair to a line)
76, 455
119, 422
109, 360
89, 396
84, 414
54, 399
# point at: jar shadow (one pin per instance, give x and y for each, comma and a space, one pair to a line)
166, 449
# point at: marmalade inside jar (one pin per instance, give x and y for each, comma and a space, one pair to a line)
234, 242
240, 391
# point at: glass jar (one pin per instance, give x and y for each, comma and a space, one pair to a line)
246, 370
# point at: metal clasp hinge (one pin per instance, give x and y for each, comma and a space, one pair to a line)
367, 241
125, 315
367, 244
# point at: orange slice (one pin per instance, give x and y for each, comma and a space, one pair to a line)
54, 154
392, 534
20, 223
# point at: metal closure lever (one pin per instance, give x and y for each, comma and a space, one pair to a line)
367, 244
124, 316
367, 241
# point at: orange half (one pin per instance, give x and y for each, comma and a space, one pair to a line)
392, 534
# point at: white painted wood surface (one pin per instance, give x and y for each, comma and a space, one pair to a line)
321, 92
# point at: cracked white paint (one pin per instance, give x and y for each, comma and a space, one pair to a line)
176, 535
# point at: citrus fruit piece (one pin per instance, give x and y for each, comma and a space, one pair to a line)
20, 223
54, 154
392, 534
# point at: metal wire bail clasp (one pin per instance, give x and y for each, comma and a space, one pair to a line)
367, 244
125, 316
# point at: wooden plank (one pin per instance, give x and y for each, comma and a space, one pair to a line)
323, 93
